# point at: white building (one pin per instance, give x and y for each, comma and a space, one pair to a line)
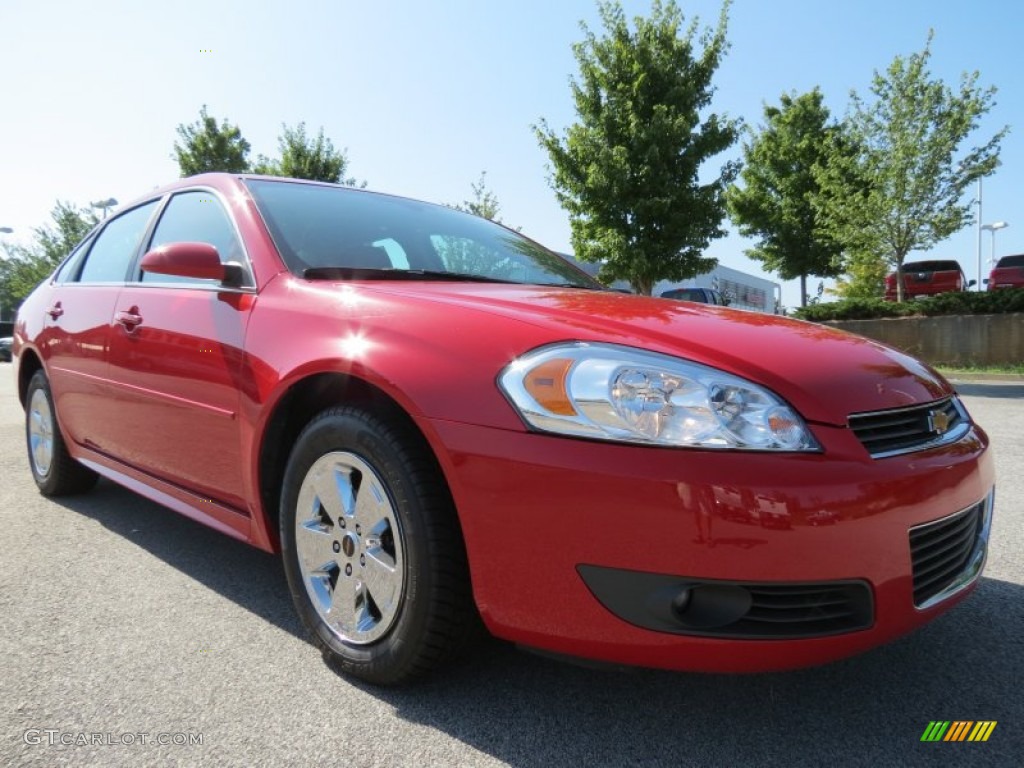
741, 290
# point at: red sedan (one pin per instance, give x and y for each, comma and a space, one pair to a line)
436, 421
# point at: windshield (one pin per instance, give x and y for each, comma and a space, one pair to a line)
320, 228
1010, 261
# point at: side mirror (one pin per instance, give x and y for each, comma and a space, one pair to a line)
985, 281
973, 282
196, 260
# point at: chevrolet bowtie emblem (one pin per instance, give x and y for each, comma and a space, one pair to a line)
938, 421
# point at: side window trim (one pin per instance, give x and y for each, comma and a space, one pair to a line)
135, 275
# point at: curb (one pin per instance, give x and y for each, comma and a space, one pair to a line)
985, 378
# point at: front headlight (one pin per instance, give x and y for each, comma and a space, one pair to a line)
618, 393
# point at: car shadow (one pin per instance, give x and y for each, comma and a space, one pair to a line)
245, 575
528, 710
869, 710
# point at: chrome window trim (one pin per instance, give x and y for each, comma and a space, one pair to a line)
976, 564
209, 287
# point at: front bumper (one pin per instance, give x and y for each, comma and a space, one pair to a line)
537, 511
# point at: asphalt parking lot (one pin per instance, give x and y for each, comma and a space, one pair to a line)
125, 620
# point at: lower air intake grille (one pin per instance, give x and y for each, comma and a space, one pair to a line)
941, 551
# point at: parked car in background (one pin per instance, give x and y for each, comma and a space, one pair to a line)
1007, 273
700, 295
5, 349
435, 420
928, 278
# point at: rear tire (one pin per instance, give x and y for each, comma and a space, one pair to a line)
53, 469
372, 548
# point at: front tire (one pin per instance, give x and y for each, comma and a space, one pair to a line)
372, 548
53, 469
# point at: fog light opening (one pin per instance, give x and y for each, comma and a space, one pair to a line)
681, 602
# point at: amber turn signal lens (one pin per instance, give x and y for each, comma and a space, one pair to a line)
546, 385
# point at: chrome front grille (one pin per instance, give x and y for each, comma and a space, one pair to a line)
917, 428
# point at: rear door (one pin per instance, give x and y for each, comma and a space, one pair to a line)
75, 340
178, 362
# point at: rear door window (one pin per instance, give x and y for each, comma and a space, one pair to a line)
114, 249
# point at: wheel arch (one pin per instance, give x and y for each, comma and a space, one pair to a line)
293, 410
28, 364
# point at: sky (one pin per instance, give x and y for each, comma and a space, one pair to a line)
424, 96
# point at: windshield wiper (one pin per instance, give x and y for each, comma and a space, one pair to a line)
390, 273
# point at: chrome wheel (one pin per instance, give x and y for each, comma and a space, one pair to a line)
40, 433
349, 548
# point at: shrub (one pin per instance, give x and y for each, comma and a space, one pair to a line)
959, 303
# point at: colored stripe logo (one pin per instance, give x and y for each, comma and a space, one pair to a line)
958, 730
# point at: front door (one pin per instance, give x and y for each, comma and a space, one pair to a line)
178, 361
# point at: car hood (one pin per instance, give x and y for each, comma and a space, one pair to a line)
825, 373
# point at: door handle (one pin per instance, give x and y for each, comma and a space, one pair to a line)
130, 319
55, 311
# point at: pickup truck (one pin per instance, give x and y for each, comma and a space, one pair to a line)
1007, 273
928, 278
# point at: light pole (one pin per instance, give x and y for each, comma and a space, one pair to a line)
994, 227
4, 231
104, 204
979, 234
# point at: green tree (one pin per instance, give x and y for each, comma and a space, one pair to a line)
628, 170
26, 266
863, 276
206, 146
901, 188
484, 203
470, 256
776, 201
306, 157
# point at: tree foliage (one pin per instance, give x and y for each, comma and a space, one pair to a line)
629, 170
864, 276
901, 187
484, 203
306, 157
24, 267
470, 256
206, 146
776, 201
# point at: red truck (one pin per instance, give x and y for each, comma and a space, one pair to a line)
1007, 273
928, 278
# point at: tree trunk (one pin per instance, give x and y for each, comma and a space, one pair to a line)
642, 287
803, 290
